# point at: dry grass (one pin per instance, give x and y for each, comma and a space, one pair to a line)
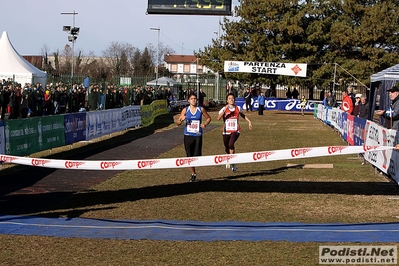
261, 192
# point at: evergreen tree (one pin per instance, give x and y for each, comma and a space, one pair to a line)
124, 65
136, 63
146, 64
361, 36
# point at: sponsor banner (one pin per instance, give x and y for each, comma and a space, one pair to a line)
160, 107
350, 129
328, 115
276, 104
334, 118
149, 112
320, 112
378, 135
370, 134
129, 117
268, 68
359, 127
147, 115
270, 103
341, 124
104, 122
27, 136
75, 127
174, 104
212, 160
93, 125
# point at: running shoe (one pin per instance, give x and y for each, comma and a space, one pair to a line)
193, 177
227, 166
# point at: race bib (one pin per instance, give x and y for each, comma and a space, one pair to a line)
194, 126
231, 124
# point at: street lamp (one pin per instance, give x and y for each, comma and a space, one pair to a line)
73, 32
217, 73
156, 66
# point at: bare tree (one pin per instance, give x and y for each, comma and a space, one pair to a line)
163, 50
66, 65
120, 57
56, 55
45, 51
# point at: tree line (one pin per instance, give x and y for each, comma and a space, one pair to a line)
362, 36
117, 60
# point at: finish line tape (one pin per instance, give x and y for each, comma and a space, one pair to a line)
211, 160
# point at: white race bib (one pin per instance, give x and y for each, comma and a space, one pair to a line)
231, 124
194, 126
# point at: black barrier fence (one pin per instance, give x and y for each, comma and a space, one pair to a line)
215, 88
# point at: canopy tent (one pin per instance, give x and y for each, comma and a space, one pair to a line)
391, 73
14, 66
164, 81
380, 83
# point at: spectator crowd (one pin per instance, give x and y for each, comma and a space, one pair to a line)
30, 100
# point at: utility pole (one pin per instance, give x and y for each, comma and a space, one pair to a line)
157, 63
73, 32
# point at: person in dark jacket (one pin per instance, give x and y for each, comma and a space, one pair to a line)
201, 97
331, 100
364, 108
25, 103
5, 96
93, 97
391, 115
248, 100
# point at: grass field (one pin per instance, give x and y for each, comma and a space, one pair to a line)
257, 192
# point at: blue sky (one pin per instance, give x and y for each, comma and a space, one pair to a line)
31, 25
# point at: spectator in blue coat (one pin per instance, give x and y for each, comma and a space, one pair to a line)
261, 103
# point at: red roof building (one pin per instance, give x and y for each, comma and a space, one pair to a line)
184, 65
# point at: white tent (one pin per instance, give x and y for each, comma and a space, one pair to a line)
391, 73
14, 66
164, 81
380, 83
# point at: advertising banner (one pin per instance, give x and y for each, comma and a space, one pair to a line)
160, 107
277, 104
268, 68
350, 129
104, 122
27, 136
359, 131
147, 115
129, 117
378, 135
75, 127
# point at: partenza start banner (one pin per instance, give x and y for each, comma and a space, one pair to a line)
270, 68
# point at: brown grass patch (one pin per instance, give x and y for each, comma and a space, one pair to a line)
258, 192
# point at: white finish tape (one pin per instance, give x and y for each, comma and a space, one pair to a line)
211, 160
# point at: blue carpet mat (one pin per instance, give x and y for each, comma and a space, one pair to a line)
197, 231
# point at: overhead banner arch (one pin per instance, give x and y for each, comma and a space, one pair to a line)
269, 68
